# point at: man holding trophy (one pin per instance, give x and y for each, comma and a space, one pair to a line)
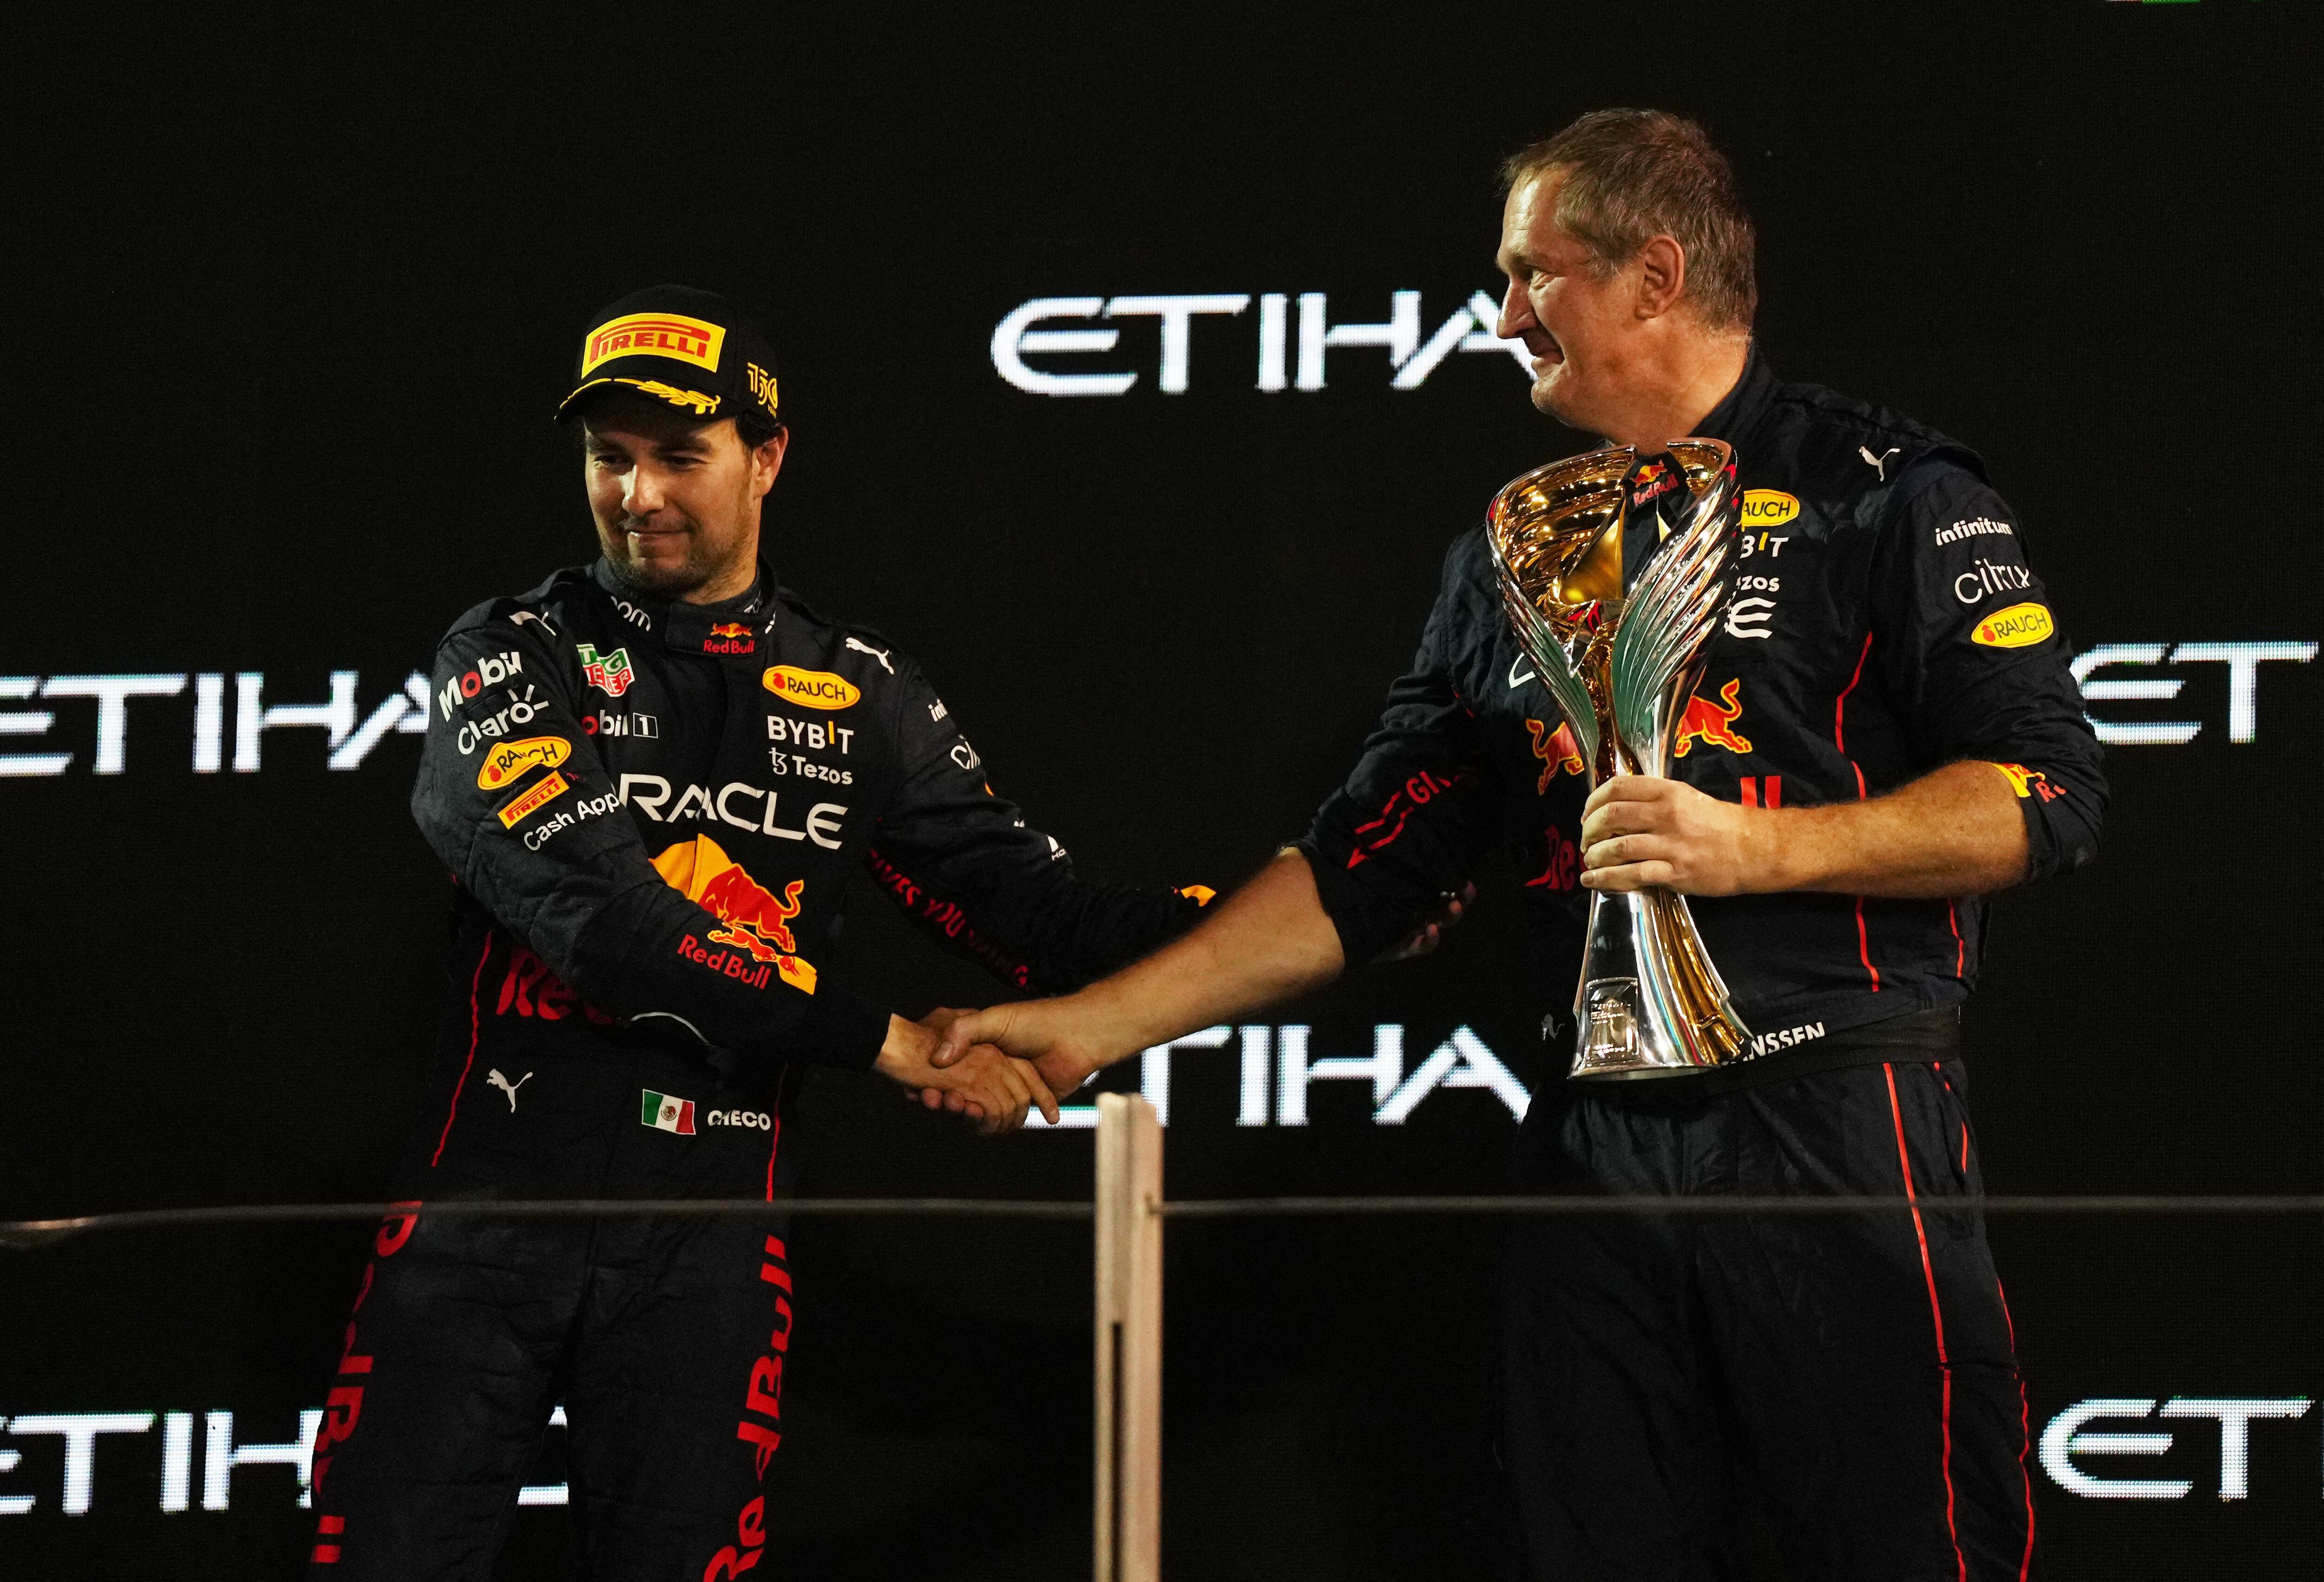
1793, 643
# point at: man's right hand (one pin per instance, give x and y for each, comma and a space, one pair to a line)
1062, 1044
992, 1089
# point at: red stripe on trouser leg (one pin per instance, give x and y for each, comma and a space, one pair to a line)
474, 1031
1936, 1316
2024, 1432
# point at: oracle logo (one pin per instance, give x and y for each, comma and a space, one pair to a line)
1266, 340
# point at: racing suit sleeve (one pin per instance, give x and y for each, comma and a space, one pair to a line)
1975, 658
961, 864
1421, 807
512, 796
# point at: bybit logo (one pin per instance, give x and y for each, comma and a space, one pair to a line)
1282, 365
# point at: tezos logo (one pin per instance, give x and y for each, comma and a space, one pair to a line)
811, 688
504, 762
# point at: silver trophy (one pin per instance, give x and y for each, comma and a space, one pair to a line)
1622, 664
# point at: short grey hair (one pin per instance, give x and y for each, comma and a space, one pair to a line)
1632, 175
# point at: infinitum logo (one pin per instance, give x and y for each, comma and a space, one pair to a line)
1282, 363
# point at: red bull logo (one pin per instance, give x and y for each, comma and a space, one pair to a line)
1706, 721
754, 922
729, 637
1558, 751
1652, 479
2030, 783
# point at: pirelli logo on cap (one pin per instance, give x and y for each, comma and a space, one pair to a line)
654, 335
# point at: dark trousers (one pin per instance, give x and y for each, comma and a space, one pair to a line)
665, 1339
1846, 1385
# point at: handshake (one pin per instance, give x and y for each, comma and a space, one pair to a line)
990, 1067
1270, 943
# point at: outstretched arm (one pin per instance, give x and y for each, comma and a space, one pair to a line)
1269, 942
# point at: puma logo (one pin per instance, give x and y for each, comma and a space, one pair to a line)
1879, 463
878, 653
495, 1079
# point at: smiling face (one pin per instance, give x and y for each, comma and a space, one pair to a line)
1578, 326
676, 502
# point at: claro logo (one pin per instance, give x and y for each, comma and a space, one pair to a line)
810, 688
1064, 363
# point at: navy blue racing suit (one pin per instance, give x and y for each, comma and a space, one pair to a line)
1851, 1381
650, 812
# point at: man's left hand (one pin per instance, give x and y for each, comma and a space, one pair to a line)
1636, 831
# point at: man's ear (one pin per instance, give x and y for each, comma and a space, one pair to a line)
1661, 276
766, 462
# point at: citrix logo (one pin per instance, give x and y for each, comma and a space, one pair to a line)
1990, 577
1470, 328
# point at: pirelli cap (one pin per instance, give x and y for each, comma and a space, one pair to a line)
696, 350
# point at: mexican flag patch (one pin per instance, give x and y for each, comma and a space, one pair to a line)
666, 1114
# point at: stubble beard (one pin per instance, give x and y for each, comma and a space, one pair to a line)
661, 579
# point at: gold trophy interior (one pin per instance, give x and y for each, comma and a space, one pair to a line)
1621, 662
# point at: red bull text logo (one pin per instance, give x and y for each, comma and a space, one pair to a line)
1557, 750
1714, 722
655, 335
729, 637
753, 921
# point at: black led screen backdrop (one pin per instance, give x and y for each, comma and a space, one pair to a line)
1139, 372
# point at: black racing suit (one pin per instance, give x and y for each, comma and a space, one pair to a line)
1858, 1374
650, 812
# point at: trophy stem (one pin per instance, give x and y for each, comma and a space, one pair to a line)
1650, 1003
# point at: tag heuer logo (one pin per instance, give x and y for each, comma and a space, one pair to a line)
610, 673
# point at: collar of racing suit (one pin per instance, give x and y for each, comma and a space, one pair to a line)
700, 629
1739, 410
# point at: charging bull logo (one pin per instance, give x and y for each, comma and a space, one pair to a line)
2030, 783
1557, 750
753, 921
1711, 722
729, 637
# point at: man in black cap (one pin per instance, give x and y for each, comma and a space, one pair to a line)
650, 778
